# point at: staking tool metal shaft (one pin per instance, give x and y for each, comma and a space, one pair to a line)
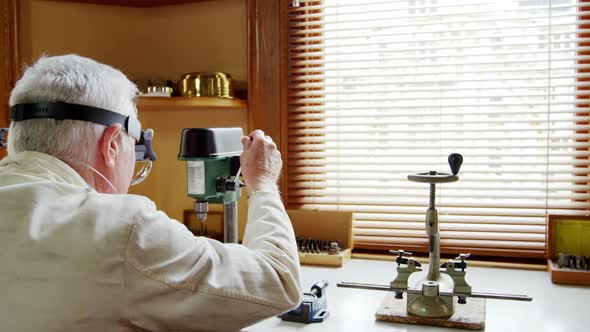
432, 195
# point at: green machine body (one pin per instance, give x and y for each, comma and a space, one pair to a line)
212, 179
212, 157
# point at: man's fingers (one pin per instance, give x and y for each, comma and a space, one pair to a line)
256, 133
258, 138
246, 142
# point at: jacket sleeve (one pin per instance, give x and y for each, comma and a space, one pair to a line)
176, 281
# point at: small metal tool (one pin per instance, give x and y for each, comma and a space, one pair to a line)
316, 246
313, 309
564, 260
3, 131
334, 248
405, 267
459, 284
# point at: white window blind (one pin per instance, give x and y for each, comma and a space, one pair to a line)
382, 89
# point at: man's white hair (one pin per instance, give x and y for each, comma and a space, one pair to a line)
71, 79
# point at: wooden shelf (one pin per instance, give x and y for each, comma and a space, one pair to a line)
157, 104
133, 3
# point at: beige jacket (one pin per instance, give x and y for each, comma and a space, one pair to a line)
73, 259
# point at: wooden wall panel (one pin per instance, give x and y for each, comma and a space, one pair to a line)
9, 54
145, 43
9, 57
267, 80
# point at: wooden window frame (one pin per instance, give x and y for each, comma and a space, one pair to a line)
268, 73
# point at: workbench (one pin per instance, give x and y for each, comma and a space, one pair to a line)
555, 308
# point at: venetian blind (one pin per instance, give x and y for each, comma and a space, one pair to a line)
382, 89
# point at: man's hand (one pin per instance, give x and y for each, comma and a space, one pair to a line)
261, 162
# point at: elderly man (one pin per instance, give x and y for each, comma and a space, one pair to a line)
80, 254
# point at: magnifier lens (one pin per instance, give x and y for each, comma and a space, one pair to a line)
141, 172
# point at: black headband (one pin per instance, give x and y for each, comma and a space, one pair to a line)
67, 111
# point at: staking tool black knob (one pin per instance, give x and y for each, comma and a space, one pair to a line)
462, 265
455, 161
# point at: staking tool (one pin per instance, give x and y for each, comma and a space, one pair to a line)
212, 158
430, 300
313, 309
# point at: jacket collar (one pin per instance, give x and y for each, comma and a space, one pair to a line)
42, 166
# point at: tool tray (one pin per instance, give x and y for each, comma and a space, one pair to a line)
320, 226
567, 234
323, 227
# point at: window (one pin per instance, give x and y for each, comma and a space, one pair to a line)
380, 89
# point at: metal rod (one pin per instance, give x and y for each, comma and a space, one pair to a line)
230, 222
237, 178
432, 196
433, 244
434, 258
345, 284
496, 296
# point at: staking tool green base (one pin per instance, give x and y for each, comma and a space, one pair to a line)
469, 316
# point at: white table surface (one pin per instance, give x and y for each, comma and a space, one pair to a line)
555, 308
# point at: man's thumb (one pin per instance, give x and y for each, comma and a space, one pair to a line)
246, 142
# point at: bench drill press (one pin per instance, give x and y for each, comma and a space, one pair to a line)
212, 158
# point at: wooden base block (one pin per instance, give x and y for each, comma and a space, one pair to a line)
325, 259
470, 316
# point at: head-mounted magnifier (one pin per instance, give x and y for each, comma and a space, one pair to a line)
67, 111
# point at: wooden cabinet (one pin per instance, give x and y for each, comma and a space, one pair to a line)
241, 37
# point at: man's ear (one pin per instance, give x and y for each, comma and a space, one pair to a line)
109, 147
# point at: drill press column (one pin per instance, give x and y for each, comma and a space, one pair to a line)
230, 222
